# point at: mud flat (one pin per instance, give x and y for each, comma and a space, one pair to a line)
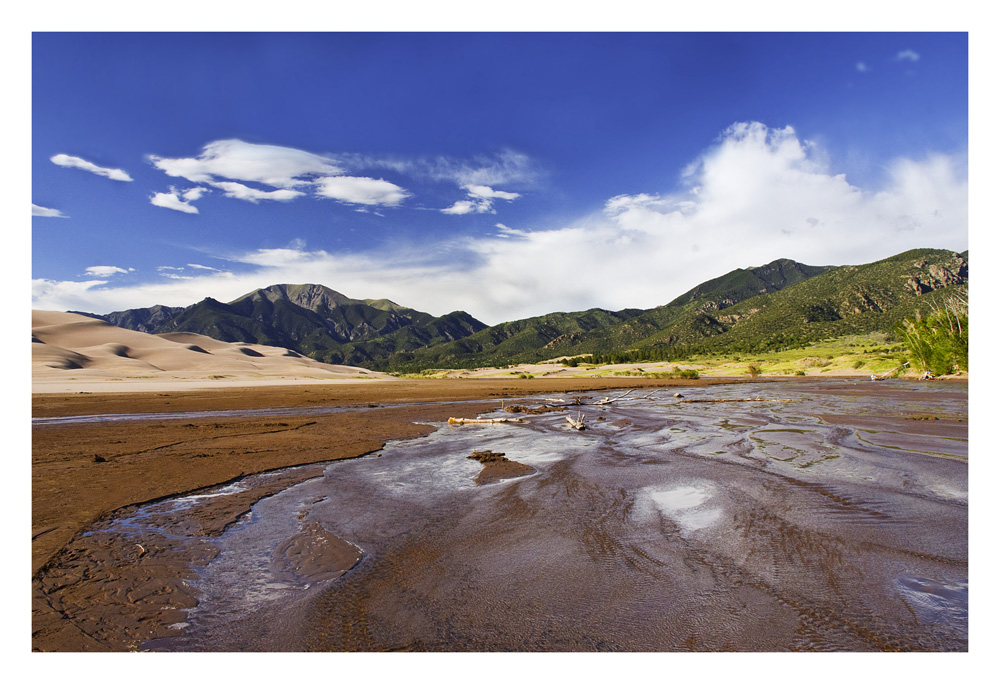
830, 516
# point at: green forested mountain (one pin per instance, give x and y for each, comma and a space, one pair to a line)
778, 305
311, 319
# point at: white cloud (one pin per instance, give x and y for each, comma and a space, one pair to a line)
480, 200
203, 268
105, 271
178, 200
356, 190
243, 192
462, 207
862, 67
907, 55
281, 167
66, 295
757, 195
487, 192
229, 164
46, 212
78, 163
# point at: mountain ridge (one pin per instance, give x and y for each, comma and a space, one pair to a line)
780, 303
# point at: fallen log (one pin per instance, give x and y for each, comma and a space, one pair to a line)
464, 421
578, 423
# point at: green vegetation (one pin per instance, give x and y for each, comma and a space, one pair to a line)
675, 374
939, 342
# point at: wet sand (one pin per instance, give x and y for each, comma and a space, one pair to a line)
661, 527
82, 472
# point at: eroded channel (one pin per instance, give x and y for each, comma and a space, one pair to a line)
827, 516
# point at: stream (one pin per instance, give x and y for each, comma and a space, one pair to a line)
828, 516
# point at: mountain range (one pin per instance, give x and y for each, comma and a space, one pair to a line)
777, 305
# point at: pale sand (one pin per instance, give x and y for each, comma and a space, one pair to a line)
74, 353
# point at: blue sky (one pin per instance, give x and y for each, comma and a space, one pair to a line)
506, 174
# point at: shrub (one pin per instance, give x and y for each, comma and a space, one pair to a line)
754, 371
939, 342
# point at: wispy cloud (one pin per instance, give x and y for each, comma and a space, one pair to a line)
758, 194
46, 212
178, 200
79, 163
506, 167
907, 56
862, 67
481, 198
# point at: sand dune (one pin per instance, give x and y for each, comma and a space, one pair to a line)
74, 353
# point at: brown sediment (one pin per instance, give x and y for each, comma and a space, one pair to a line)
496, 467
82, 472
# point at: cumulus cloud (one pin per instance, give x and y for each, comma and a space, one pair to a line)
78, 163
757, 194
46, 212
907, 56
357, 190
106, 271
235, 160
178, 200
481, 198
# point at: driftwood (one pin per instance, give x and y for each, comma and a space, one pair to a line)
463, 421
608, 400
717, 401
624, 397
578, 423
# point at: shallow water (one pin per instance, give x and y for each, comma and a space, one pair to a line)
663, 526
